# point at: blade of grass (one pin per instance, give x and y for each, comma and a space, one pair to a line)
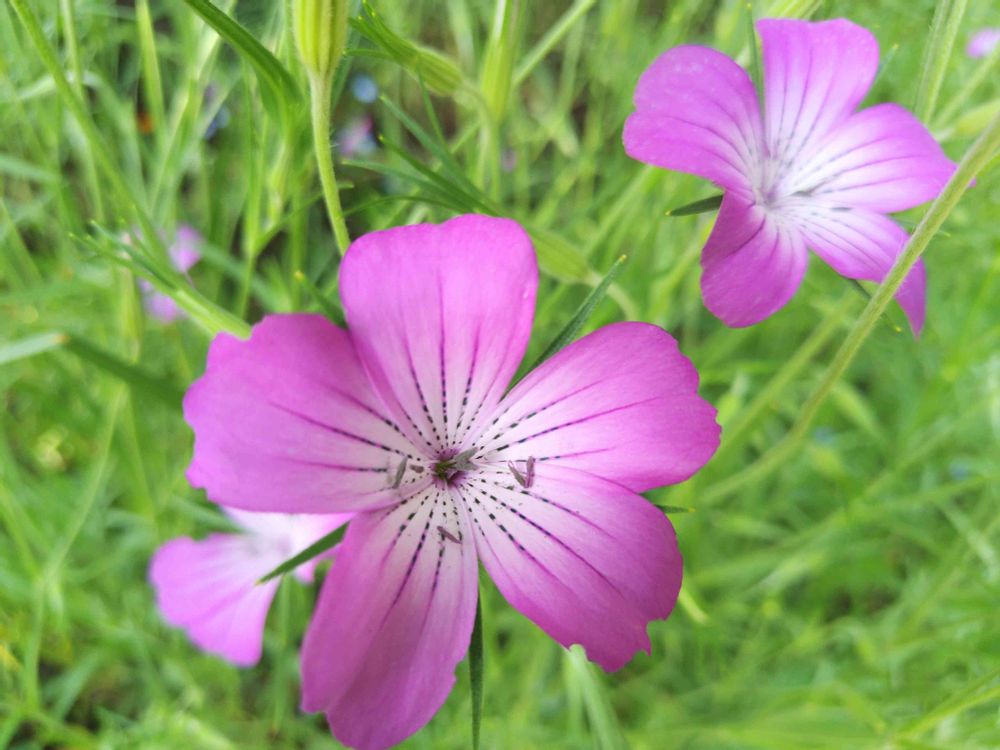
702, 206
138, 379
944, 30
315, 549
30, 346
572, 328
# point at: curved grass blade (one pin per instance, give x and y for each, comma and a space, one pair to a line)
568, 333
702, 206
315, 549
137, 378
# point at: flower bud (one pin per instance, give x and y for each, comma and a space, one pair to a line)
320, 28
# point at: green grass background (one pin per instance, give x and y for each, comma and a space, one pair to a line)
847, 600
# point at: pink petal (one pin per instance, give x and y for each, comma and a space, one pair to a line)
882, 158
622, 403
441, 316
696, 111
752, 264
585, 559
286, 421
209, 589
862, 244
815, 75
393, 621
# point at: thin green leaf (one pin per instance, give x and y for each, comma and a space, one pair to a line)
276, 82
434, 144
668, 509
138, 379
568, 333
23, 348
475, 200
315, 549
711, 203
476, 673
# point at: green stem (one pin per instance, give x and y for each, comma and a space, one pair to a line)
944, 29
978, 155
737, 428
319, 91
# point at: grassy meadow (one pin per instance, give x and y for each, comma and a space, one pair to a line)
842, 570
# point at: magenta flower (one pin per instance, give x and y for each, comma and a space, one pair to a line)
983, 42
404, 419
807, 173
209, 587
184, 251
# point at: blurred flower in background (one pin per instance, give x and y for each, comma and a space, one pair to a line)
364, 88
983, 42
185, 252
209, 587
356, 138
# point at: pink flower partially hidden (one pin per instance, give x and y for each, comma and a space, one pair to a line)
983, 42
184, 251
404, 419
809, 172
209, 587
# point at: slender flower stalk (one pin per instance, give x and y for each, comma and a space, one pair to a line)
319, 105
320, 28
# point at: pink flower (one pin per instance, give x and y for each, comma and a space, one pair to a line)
808, 172
184, 251
983, 42
404, 419
209, 587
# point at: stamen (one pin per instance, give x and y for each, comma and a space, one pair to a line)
526, 479
521, 480
445, 534
461, 462
397, 480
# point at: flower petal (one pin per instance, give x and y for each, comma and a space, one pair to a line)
863, 244
393, 620
622, 403
441, 316
585, 559
209, 589
696, 111
286, 421
882, 158
752, 264
815, 75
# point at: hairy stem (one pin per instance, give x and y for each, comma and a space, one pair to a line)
319, 91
